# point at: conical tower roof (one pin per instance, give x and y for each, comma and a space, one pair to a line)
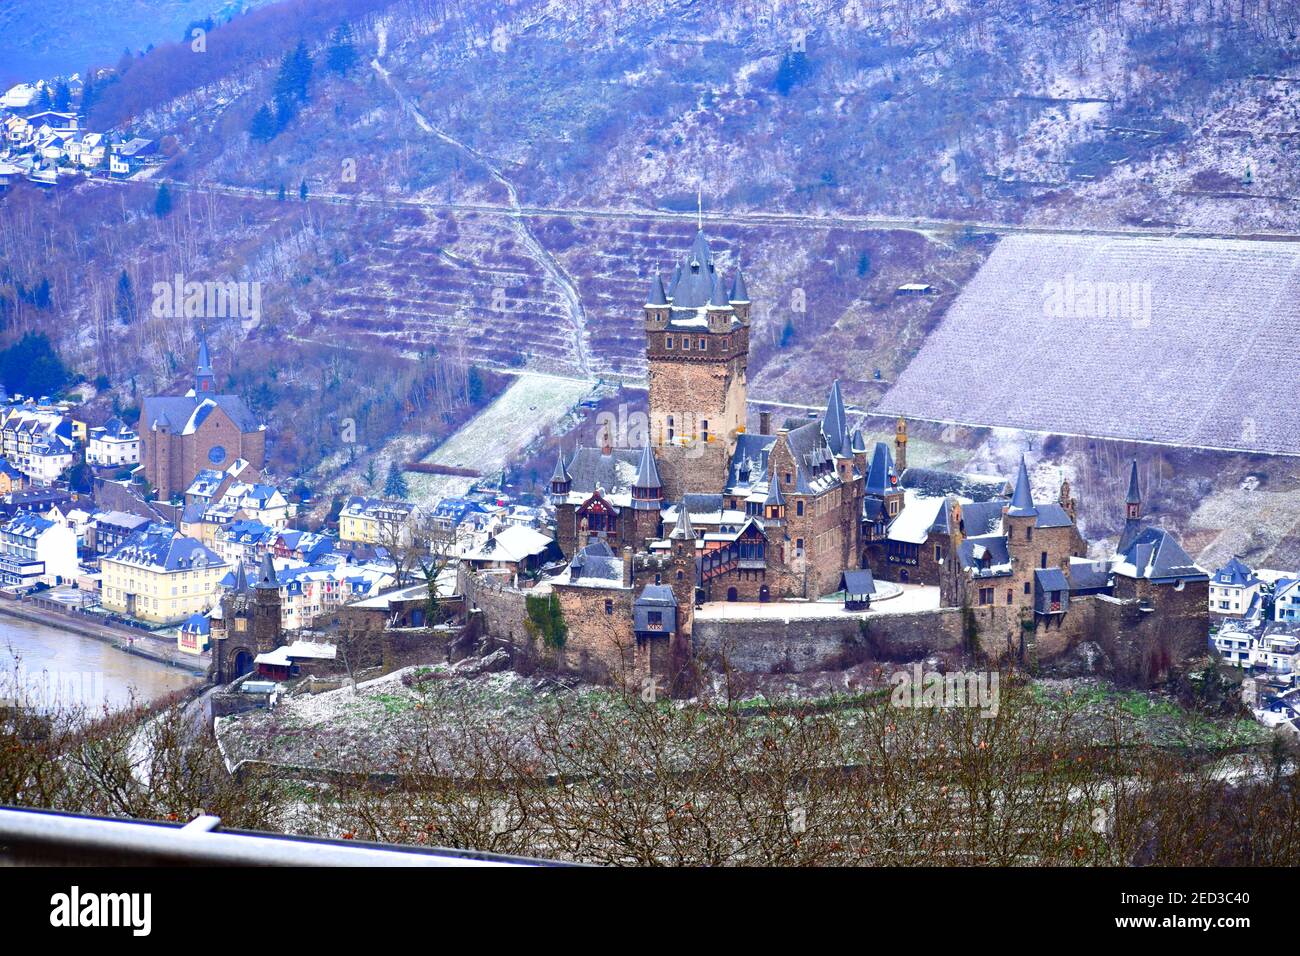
738, 291
683, 527
834, 424
266, 578
657, 294
647, 472
1134, 496
1022, 499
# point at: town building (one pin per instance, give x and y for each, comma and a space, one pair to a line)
35, 550
379, 521
113, 444
184, 434
160, 577
248, 624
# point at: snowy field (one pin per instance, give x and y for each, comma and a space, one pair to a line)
1180, 341
489, 440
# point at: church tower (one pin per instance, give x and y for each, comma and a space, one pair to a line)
1132, 510
697, 349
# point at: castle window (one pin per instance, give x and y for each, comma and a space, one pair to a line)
986, 595
1010, 595
798, 508
1043, 560
704, 345
726, 342
704, 430
1029, 532
609, 606
938, 552
686, 343
798, 547
1026, 587
681, 575
668, 342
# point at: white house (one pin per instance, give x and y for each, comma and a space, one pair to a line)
1234, 590
1276, 652
113, 443
1286, 599
34, 549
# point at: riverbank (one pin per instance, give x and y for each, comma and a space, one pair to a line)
136, 643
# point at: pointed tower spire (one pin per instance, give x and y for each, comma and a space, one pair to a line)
241, 579
738, 291
1022, 499
657, 294
561, 482
1133, 501
834, 424
266, 578
647, 491
204, 380
683, 530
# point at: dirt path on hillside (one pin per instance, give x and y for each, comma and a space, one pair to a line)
562, 280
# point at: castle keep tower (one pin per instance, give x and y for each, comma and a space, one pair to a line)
697, 348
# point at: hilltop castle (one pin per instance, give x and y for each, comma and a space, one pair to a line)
709, 511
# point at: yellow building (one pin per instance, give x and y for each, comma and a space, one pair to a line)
161, 577
375, 520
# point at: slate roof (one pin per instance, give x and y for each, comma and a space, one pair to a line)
835, 426
596, 565
614, 472
655, 597
857, 583
161, 549
1156, 556
749, 461
1047, 581
647, 473
1022, 499
882, 479
1236, 574
1089, 577
187, 412
1134, 496
991, 549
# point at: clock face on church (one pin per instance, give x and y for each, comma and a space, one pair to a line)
217, 454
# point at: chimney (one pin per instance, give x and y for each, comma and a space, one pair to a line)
765, 423
627, 566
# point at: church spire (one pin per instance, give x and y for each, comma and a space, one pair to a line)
204, 380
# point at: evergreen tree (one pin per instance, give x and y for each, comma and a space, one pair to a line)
395, 485
162, 205
370, 474
342, 55
62, 97
280, 196
302, 190
294, 78
89, 93
44, 102
32, 367
263, 126
474, 385
124, 300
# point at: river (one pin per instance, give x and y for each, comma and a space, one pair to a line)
62, 667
